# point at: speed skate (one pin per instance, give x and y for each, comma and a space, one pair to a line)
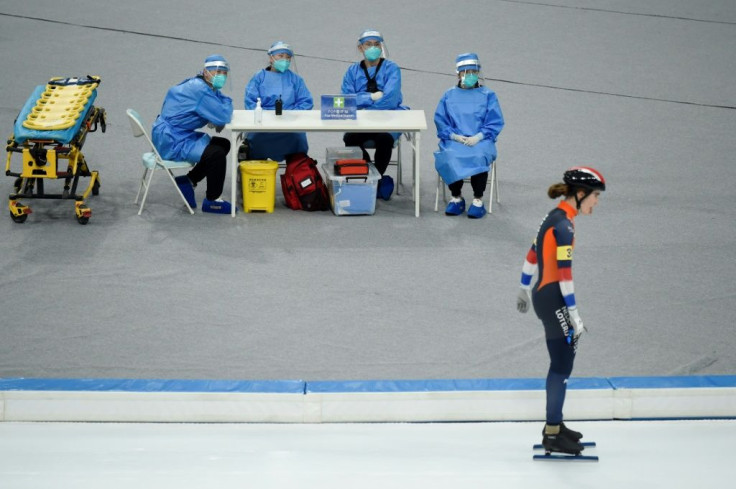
554, 456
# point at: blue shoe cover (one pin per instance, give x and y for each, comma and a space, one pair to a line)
385, 187
476, 211
218, 206
187, 189
455, 208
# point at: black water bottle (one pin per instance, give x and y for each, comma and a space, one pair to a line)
279, 106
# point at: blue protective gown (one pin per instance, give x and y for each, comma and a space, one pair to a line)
187, 107
268, 85
388, 81
466, 112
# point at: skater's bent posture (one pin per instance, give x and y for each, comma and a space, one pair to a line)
553, 296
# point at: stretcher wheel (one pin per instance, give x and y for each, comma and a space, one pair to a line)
96, 188
19, 219
18, 211
82, 212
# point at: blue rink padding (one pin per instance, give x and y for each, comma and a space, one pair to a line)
350, 386
675, 382
153, 385
64, 136
297, 401
449, 385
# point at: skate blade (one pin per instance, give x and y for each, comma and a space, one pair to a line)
558, 457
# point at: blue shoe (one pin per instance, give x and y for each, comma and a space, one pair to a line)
477, 210
218, 206
385, 187
455, 207
187, 189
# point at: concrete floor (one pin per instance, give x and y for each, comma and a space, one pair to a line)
642, 91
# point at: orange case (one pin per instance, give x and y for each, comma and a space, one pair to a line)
351, 168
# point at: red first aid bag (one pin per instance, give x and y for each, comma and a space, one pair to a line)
302, 184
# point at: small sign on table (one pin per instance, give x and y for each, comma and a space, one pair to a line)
339, 107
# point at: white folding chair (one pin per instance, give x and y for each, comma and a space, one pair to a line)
395, 161
492, 182
152, 160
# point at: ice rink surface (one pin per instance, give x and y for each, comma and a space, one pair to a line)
634, 454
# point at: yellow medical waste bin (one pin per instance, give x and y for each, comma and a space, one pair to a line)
259, 185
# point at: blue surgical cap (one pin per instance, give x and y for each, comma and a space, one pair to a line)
216, 62
280, 47
467, 61
370, 35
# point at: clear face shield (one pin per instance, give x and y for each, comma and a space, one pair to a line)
371, 46
469, 73
470, 78
281, 57
282, 61
217, 74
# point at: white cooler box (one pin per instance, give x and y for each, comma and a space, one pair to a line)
352, 195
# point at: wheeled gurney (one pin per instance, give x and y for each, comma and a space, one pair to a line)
52, 126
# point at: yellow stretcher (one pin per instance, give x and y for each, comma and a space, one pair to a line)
50, 129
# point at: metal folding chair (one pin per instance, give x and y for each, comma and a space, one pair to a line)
492, 182
395, 161
152, 161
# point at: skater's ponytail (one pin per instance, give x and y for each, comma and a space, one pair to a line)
559, 189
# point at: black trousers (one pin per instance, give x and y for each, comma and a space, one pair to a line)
212, 166
478, 182
383, 141
551, 310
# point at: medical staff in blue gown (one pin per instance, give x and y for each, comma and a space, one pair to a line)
468, 120
189, 106
376, 81
278, 81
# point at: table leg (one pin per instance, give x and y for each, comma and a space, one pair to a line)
233, 170
417, 159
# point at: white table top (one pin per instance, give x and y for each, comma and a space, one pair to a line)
310, 120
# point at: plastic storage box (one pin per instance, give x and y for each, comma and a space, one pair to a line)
259, 185
352, 195
343, 153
